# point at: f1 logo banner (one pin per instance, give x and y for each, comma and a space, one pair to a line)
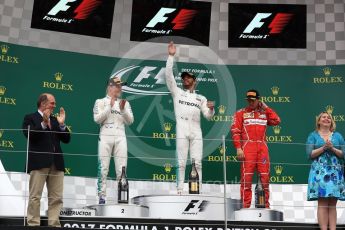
267, 25
187, 21
87, 17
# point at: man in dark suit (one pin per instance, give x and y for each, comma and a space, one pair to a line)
45, 160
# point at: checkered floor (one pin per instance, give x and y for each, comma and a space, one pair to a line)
325, 36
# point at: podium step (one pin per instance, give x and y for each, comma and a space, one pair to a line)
120, 210
257, 214
194, 207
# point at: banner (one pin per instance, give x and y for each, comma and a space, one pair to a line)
267, 25
297, 93
93, 18
188, 21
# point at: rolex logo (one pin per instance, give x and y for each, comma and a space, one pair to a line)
57, 84
222, 150
4, 49
275, 90
329, 109
167, 167
327, 71
276, 129
221, 109
1, 132
278, 169
2, 90
58, 76
167, 127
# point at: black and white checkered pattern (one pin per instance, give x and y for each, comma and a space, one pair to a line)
80, 192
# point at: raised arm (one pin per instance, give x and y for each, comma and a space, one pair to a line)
169, 75
272, 117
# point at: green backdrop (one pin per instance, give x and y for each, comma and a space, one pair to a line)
297, 93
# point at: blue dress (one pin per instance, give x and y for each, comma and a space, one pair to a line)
326, 177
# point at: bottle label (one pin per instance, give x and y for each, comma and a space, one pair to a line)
194, 186
123, 195
261, 200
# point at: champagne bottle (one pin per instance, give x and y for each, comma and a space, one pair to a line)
194, 180
259, 194
122, 190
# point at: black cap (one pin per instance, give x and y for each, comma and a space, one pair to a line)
252, 94
184, 74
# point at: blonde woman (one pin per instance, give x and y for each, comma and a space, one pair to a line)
325, 148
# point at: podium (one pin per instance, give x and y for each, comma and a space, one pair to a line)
195, 207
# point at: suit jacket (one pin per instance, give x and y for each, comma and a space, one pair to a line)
44, 146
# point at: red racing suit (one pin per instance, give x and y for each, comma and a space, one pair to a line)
249, 133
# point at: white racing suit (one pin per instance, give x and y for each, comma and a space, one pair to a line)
187, 106
112, 138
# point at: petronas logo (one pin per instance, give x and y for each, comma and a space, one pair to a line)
275, 90
327, 71
278, 169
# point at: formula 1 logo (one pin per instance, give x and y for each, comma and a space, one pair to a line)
267, 25
181, 21
195, 206
156, 21
148, 80
276, 26
83, 11
88, 17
